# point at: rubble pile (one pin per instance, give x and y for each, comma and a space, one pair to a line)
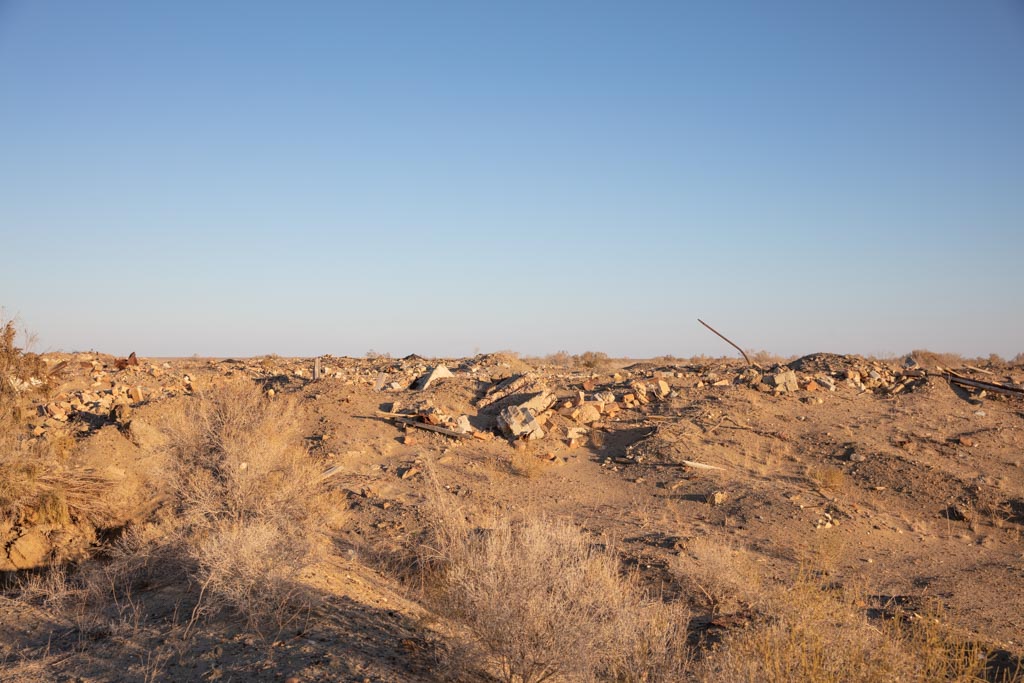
492, 394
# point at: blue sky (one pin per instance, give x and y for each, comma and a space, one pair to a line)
237, 178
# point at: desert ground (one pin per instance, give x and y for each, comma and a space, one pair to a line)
499, 518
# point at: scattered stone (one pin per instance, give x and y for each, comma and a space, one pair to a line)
587, 413
784, 380
462, 425
517, 422
439, 372
56, 412
827, 382
539, 402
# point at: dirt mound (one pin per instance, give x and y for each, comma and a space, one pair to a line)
713, 483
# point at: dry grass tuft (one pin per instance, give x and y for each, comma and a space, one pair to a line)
540, 601
38, 486
813, 634
931, 360
720, 578
592, 360
829, 477
17, 366
249, 502
52, 494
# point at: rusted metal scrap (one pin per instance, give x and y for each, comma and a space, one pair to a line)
730, 343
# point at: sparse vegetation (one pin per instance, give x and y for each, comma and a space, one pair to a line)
718, 577
594, 360
541, 601
249, 501
558, 359
36, 485
829, 477
765, 358
931, 360
811, 634
236, 548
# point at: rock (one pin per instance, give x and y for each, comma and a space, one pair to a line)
56, 412
855, 455
517, 422
586, 413
784, 380
538, 403
462, 425
827, 382
136, 394
438, 372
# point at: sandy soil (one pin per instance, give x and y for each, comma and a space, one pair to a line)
874, 473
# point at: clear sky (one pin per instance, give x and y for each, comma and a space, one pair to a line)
238, 178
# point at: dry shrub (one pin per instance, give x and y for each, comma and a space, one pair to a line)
815, 635
17, 366
931, 360
558, 359
765, 358
37, 486
541, 602
594, 360
719, 577
526, 464
250, 501
254, 569
829, 477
